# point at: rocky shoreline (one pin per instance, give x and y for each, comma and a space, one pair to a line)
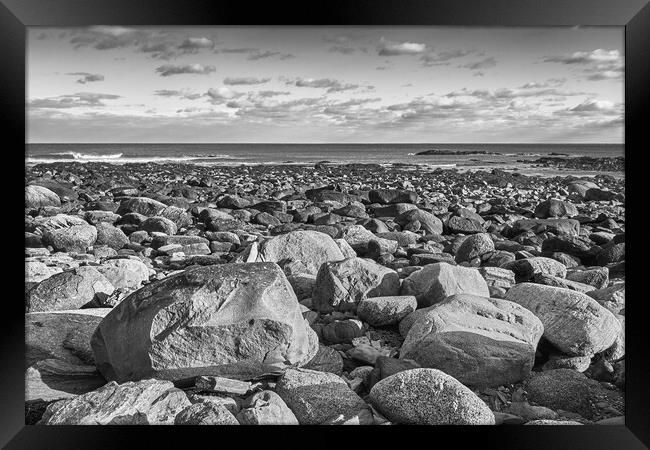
326, 294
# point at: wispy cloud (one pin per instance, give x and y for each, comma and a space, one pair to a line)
596, 65
245, 80
482, 64
390, 48
80, 99
330, 84
87, 77
172, 69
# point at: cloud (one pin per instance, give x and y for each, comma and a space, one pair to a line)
268, 54
345, 50
171, 69
80, 99
593, 105
442, 58
389, 48
596, 65
330, 84
551, 82
87, 77
221, 95
175, 93
266, 94
107, 37
194, 44
482, 64
245, 80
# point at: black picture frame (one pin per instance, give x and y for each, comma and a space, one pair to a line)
16, 15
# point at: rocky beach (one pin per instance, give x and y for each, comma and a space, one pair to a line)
324, 294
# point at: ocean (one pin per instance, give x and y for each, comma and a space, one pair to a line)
498, 155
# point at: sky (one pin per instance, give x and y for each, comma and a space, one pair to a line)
325, 84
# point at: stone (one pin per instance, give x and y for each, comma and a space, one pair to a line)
555, 208
550, 280
612, 298
383, 311
159, 224
386, 366
611, 254
76, 238
266, 408
560, 361
312, 248
318, 397
36, 271
141, 205
556, 226
205, 413
326, 360
110, 236
525, 269
343, 284
479, 341
39, 196
342, 331
359, 238
125, 273
435, 282
573, 322
388, 196
71, 289
180, 217
147, 402
457, 224
597, 277
572, 391
211, 320
498, 277
61, 335
529, 412
222, 385
474, 246
428, 397
428, 222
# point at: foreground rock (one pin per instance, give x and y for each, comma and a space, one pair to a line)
148, 402
574, 322
435, 282
318, 398
311, 248
266, 408
226, 315
479, 341
428, 397
341, 285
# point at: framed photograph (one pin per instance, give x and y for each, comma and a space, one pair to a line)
334, 213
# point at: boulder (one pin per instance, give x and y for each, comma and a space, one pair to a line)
205, 321
266, 408
428, 397
428, 222
389, 196
479, 341
205, 413
383, 311
39, 196
342, 284
435, 282
318, 398
147, 402
141, 205
474, 246
71, 289
76, 238
159, 224
359, 239
110, 236
525, 269
312, 248
555, 208
124, 273
573, 322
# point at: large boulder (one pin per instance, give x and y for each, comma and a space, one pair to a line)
479, 341
38, 196
206, 320
343, 284
141, 205
526, 269
383, 311
318, 398
428, 222
61, 335
474, 246
359, 238
266, 408
111, 236
434, 282
573, 322
388, 196
311, 248
147, 402
71, 289
124, 273
429, 397
555, 208
76, 238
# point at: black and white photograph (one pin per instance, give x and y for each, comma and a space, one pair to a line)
325, 225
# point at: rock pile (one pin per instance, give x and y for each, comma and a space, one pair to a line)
179, 294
